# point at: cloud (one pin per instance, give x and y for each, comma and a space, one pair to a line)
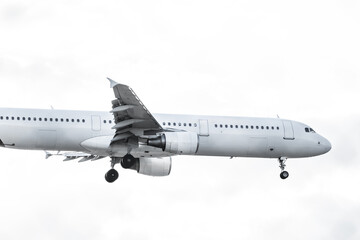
14, 12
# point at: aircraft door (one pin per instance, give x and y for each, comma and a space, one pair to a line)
288, 130
203, 127
95, 123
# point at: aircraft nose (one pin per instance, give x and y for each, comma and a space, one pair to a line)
328, 146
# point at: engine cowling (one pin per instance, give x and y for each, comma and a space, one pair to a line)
176, 142
156, 167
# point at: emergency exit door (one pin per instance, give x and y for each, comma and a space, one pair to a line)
203, 127
95, 123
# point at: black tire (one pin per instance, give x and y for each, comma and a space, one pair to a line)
128, 161
111, 176
284, 175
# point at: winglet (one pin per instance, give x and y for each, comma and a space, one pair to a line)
112, 83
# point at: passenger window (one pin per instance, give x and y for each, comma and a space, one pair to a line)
12, 118
67, 120
169, 123
252, 127
190, 125
40, 119
1, 118
231, 126
184, 124
262, 127
45, 119
267, 127
179, 124
216, 125
78, 120
29, 119
51, 119
7, 118
247, 127
236, 126
34, 119
83, 120
257, 127
163, 123
277, 128
226, 125
104, 121
61, 120
221, 125
72, 120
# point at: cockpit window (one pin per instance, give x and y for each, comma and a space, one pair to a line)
308, 130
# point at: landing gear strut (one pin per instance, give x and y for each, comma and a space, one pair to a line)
284, 174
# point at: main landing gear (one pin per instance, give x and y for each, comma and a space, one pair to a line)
284, 174
126, 162
111, 176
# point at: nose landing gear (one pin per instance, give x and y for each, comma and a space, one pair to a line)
284, 174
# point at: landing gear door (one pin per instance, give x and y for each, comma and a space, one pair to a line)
288, 130
203, 127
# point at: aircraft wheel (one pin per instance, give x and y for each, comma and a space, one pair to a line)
111, 176
128, 161
284, 175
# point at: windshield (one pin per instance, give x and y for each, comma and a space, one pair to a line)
308, 130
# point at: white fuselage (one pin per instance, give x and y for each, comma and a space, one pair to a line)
91, 131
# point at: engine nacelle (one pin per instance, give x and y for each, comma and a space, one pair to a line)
176, 142
156, 167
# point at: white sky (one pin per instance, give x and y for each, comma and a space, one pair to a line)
299, 59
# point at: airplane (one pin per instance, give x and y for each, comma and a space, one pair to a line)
138, 140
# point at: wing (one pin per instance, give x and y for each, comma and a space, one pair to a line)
131, 116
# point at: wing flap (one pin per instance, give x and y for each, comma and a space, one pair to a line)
122, 108
126, 123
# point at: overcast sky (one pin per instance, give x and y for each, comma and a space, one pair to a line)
297, 59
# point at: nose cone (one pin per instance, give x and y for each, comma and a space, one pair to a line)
324, 145
327, 145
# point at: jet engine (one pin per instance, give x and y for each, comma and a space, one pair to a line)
176, 142
156, 167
